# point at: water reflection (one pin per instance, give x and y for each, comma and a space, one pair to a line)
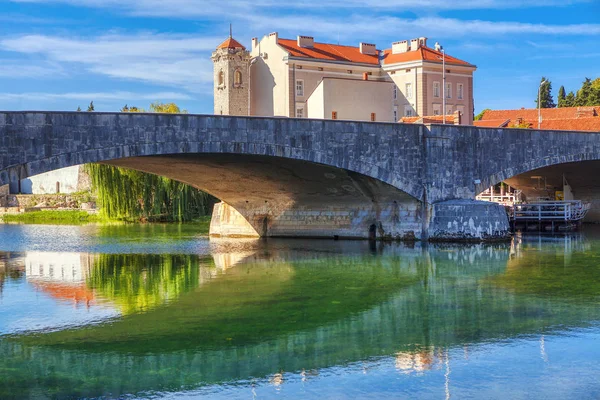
284, 310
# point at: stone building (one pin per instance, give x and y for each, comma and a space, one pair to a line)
231, 68
304, 78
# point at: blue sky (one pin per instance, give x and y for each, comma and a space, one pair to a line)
60, 54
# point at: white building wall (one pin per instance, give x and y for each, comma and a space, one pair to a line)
352, 100
67, 179
315, 105
269, 94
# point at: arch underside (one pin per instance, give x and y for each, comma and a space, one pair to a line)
582, 176
282, 197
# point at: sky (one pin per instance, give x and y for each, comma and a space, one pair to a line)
61, 54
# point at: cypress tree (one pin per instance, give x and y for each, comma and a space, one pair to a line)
91, 107
570, 100
546, 94
584, 94
561, 97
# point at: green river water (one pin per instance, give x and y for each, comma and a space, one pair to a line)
159, 311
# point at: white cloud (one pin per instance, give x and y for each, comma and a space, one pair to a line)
433, 26
204, 8
172, 60
100, 96
23, 69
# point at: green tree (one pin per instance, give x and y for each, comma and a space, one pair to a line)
545, 94
594, 97
91, 107
570, 100
561, 97
480, 115
583, 93
78, 109
133, 195
132, 109
168, 108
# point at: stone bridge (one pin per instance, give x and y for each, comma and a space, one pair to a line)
301, 177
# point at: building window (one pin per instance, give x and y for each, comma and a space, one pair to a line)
437, 109
299, 110
221, 79
373, 117
408, 111
436, 89
237, 78
395, 92
299, 87
409, 93
395, 114
349, 71
334, 115
448, 90
459, 91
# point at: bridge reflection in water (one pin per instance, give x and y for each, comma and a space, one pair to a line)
261, 310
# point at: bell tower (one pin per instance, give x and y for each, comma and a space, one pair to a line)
231, 81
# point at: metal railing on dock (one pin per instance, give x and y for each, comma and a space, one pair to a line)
548, 215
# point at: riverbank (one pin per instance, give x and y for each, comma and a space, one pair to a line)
79, 217
53, 217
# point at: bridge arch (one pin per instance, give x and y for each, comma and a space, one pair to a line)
536, 164
319, 178
47, 141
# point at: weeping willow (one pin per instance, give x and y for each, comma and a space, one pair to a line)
132, 195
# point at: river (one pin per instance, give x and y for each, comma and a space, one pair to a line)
159, 311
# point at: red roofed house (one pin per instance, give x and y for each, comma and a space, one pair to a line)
303, 78
561, 119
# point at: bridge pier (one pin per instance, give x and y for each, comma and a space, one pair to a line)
456, 220
391, 222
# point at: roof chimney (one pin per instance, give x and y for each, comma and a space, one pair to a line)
414, 44
306, 41
254, 43
274, 35
400, 47
422, 41
368, 48
457, 117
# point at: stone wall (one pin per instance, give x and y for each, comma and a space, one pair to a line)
24, 201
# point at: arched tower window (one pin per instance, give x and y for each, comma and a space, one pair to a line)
221, 78
237, 78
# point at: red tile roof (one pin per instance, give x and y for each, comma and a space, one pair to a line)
428, 119
591, 124
230, 43
564, 118
329, 52
423, 53
492, 123
531, 114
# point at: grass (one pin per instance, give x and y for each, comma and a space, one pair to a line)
76, 217
53, 217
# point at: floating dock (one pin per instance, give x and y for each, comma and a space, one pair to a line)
548, 216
